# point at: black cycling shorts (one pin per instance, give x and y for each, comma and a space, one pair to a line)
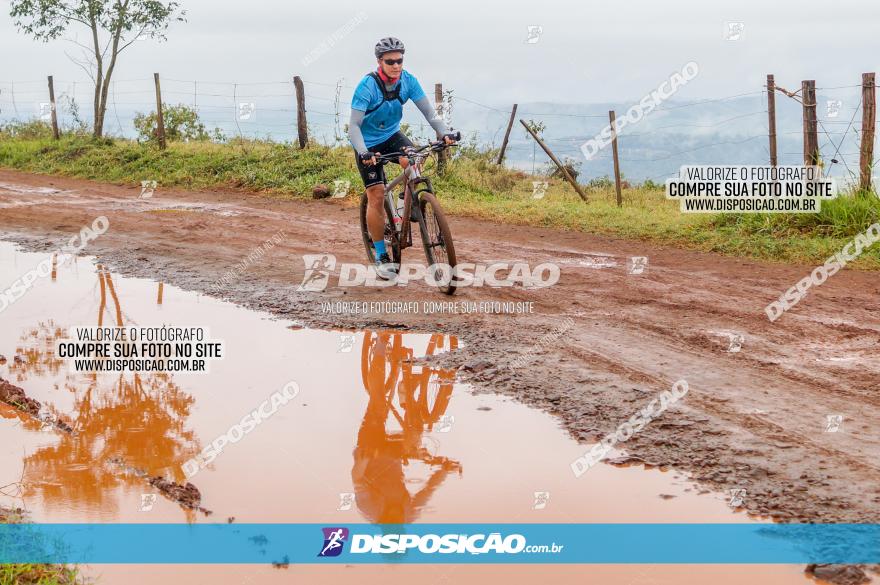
375, 174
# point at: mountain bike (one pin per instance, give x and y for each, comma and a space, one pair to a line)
427, 213
424, 395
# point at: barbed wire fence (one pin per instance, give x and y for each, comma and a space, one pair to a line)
268, 110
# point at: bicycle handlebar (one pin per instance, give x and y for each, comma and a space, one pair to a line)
432, 146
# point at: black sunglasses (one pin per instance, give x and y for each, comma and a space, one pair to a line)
393, 61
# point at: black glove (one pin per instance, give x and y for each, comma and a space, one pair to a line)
367, 157
453, 136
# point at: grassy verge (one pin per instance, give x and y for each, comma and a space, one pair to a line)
473, 187
29, 573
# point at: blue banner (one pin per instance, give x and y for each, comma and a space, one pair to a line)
441, 543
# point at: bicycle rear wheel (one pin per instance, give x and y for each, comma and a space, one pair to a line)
437, 241
392, 238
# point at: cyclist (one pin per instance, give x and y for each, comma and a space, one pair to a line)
374, 129
383, 458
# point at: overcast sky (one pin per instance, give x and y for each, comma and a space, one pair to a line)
586, 52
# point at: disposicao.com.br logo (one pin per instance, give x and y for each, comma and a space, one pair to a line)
319, 268
475, 544
334, 541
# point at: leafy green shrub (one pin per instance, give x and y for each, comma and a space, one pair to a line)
652, 185
604, 182
28, 130
181, 124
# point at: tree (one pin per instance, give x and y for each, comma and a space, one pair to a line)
121, 22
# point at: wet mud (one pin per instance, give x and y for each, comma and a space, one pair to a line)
599, 346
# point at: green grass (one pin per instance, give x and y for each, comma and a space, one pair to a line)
473, 186
30, 573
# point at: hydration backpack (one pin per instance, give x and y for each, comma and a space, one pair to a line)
387, 96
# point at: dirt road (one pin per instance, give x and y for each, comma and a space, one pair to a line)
756, 417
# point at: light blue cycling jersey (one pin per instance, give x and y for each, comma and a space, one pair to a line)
382, 123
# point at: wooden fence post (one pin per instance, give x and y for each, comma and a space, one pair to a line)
160, 119
612, 116
552, 156
302, 128
869, 119
55, 132
771, 117
443, 155
811, 130
507, 135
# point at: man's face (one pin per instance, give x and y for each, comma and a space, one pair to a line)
391, 70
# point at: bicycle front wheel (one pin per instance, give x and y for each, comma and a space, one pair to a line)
437, 241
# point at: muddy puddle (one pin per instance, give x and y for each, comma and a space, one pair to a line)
143, 202
218, 209
369, 437
29, 190
24, 195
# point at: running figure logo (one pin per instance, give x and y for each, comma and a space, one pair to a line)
833, 423
539, 189
147, 189
318, 267
637, 265
334, 541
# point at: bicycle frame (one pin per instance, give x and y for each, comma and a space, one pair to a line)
411, 176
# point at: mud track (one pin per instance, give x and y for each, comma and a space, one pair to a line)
753, 420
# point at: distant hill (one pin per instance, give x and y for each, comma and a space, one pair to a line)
730, 131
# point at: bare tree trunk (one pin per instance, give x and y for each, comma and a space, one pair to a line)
99, 120
99, 77
96, 109
102, 94
105, 86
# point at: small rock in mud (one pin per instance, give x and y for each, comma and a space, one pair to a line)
667, 496
625, 460
63, 426
320, 191
676, 424
187, 495
57, 423
476, 365
838, 574
2, 359
484, 408
780, 445
15, 396
18, 360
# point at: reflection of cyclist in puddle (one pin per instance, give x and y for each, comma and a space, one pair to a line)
381, 455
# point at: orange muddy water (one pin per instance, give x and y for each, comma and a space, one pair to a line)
370, 437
